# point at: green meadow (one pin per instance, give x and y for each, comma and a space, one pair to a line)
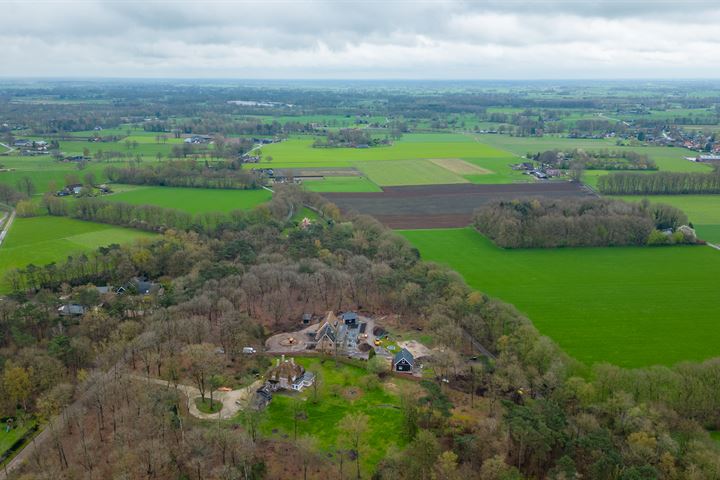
342, 184
192, 200
343, 389
43, 240
702, 210
44, 170
631, 306
298, 151
406, 162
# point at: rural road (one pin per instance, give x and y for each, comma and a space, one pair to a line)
9, 148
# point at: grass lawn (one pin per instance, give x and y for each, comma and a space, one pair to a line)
342, 184
8, 439
193, 200
204, 405
43, 240
631, 306
335, 401
702, 210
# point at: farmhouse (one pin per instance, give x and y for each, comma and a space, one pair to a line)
289, 375
403, 361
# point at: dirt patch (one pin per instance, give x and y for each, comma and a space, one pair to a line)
352, 393
417, 349
459, 166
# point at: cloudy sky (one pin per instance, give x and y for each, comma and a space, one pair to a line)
504, 39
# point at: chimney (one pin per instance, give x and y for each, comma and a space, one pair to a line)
278, 362
283, 358
292, 360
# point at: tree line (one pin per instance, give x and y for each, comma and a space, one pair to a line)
596, 160
188, 173
576, 223
660, 183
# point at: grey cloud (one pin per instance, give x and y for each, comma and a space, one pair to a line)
372, 38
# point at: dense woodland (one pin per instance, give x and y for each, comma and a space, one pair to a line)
660, 183
228, 286
578, 223
188, 173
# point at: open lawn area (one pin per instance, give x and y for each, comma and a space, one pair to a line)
631, 306
8, 439
43, 240
343, 389
192, 200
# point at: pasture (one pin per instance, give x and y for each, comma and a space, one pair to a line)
192, 200
702, 210
415, 159
342, 184
631, 306
343, 389
43, 240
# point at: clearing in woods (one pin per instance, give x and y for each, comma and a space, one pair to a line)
631, 306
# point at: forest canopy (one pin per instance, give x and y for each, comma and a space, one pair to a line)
576, 223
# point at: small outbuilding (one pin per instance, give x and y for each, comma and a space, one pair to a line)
403, 361
350, 318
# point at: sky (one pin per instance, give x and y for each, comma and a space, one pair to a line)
370, 39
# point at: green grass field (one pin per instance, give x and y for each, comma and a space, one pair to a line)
342, 184
631, 306
8, 439
702, 210
43, 170
408, 172
43, 240
192, 200
335, 402
298, 151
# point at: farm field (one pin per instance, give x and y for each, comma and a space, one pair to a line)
442, 206
342, 184
192, 200
343, 390
298, 151
702, 210
408, 172
667, 159
43, 170
43, 240
629, 306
